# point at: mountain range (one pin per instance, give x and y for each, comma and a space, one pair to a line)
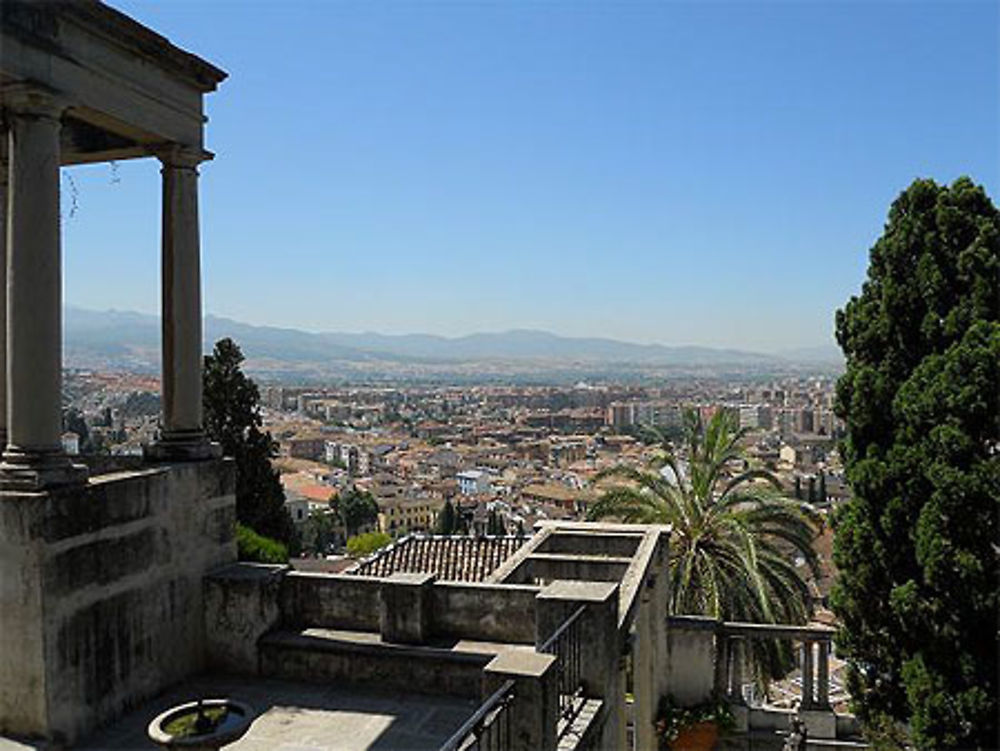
129, 340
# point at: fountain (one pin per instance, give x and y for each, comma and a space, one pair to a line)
203, 725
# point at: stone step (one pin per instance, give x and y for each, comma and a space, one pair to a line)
579, 731
325, 655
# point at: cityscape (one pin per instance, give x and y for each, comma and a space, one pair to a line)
528, 453
611, 376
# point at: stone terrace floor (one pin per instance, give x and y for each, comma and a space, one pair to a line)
303, 717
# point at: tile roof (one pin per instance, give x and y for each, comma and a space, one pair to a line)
451, 558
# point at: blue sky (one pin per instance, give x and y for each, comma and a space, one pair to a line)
684, 173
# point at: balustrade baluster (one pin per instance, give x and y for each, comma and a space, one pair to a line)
807, 675
736, 674
823, 675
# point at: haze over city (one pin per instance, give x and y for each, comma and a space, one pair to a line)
708, 174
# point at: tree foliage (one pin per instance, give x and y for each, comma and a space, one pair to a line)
447, 523
916, 546
318, 532
494, 524
735, 536
368, 543
257, 548
232, 417
355, 509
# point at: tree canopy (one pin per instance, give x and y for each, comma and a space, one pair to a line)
917, 594
366, 544
232, 417
355, 509
735, 536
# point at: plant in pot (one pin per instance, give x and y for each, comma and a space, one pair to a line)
695, 728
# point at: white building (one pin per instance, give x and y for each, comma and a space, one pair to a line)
473, 482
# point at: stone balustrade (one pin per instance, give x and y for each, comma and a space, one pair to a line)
814, 649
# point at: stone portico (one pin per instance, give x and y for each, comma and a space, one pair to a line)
82, 83
100, 573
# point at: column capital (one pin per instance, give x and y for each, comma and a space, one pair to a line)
33, 100
179, 156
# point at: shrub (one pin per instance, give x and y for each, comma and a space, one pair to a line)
257, 548
368, 543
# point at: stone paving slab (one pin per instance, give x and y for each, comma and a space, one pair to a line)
297, 716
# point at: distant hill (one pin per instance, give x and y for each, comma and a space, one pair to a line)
525, 344
132, 340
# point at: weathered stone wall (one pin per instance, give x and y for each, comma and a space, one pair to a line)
242, 603
489, 612
393, 667
330, 601
464, 610
101, 596
619, 545
547, 567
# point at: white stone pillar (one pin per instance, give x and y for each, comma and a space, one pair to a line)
181, 435
34, 458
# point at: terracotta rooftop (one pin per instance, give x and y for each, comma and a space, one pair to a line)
451, 558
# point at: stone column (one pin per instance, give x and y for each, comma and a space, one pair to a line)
33, 458
721, 673
3, 285
182, 436
737, 651
807, 675
823, 675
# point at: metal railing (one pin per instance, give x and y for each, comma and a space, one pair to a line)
489, 727
567, 645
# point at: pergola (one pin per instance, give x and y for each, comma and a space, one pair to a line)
81, 83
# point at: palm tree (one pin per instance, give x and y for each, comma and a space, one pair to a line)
735, 538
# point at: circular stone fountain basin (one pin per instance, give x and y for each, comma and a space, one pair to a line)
224, 721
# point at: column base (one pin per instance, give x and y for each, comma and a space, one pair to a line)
22, 469
181, 446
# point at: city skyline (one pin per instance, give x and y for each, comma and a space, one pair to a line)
710, 175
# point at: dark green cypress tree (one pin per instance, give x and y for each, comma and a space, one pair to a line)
917, 593
446, 521
232, 418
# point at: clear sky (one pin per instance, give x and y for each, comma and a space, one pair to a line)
685, 173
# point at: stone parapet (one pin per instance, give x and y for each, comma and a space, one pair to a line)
101, 595
242, 603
